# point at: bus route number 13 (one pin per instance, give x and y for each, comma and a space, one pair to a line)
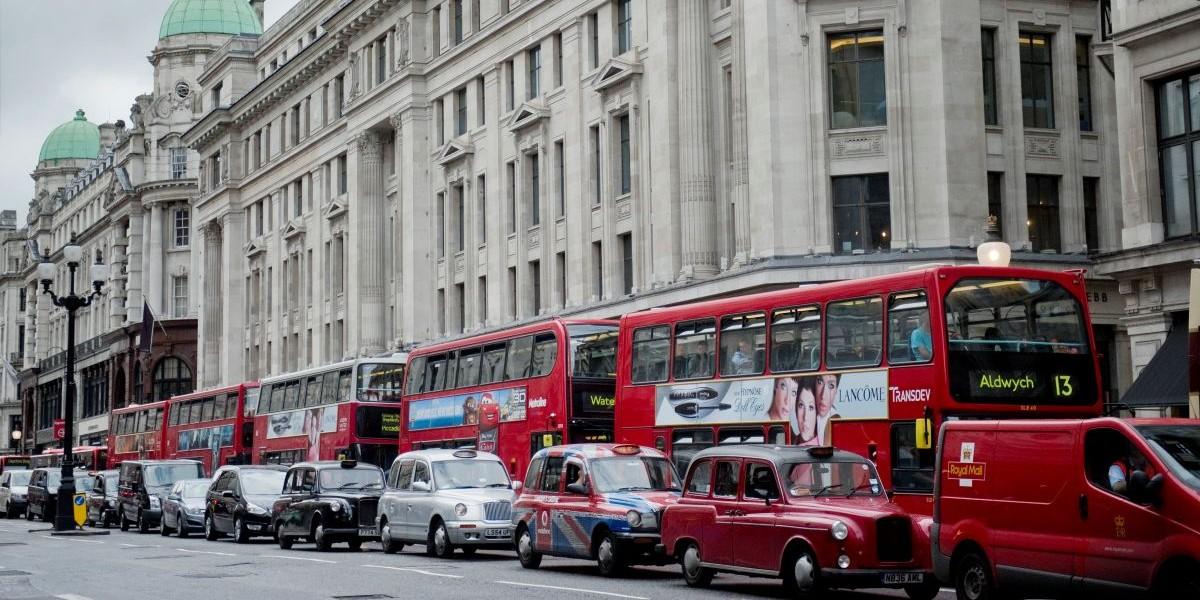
1062, 386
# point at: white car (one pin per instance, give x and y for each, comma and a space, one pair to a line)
447, 499
13, 492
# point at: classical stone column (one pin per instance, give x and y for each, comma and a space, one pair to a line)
372, 214
697, 201
153, 260
133, 269
211, 315
739, 167
398, 331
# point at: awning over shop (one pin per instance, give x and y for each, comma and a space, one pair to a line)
1164, 381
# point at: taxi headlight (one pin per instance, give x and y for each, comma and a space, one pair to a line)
336, 505
839, 530
634, 518
460, 509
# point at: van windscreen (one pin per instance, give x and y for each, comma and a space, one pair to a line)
1179, 447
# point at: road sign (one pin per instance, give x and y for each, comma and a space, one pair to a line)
80, 508
60, 429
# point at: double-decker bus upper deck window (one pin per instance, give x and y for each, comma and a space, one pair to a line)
291, 398
694, 345
743, 344
520, 358
796, 339
207, 407
854, 333
140, 425
593, 351
219, 407
380, 382
435, 373
329, 387
545, 352
450, 381
265, 399
416, 376
173, 420
468, 367
909, 338
345, 379
651, 351
312, 391
250, 403
492, 369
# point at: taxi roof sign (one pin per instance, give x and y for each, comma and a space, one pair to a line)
626, 449
820, 451
349, 464
465, 453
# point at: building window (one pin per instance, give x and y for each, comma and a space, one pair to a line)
460, 111
1179, 153
862, 214
481, 98
560, 264
1037, 80
179, 286
990, 112
1091, 218
995, 183
626, 242
437, 46
441, 225
594, 150
183, 228
511, 178
481, 211
857, 97
623, 132
178, 163
510, 88
558, 59
381, 60
482, 300
598, 270
512, 292
1041, 192
439, 120
560, 180
475, 16
341, 175
460, 221
460, 303
339, 95
593, 25
535, 274
624, 26
1083, 74
171, 378
533, 59
535, 188
457, 27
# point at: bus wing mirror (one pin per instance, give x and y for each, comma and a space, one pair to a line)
515, 485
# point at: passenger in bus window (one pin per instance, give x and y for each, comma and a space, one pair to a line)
920, 343
743, 362
804, 419
784, 399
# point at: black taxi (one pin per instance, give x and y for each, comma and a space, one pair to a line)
325, 502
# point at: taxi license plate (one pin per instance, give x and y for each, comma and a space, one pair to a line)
494, 533
903, 578
367, 531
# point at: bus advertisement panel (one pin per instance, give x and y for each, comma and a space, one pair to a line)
212, 426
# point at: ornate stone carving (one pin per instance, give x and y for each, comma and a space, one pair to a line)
857, 146
534, 240
624, 209
402, 54
354, 77
396, 120
1041, 145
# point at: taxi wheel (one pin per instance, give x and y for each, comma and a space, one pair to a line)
800, 575
695, 574
530, 558
241, 535
608, 557
285, 542
210, 529
385, 540
973, 578
439, 542
320, 538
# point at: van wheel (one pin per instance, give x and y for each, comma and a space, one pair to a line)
530, 558
385, 540
801, 575
608, 556
1182, 581
973, 578
695, 574
925, 591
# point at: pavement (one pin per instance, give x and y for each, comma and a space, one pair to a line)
132, 566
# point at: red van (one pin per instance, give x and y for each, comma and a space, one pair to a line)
1099, 507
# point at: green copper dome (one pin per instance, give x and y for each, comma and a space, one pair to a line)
76, 138
209, 16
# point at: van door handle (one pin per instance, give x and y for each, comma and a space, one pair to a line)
1083, 506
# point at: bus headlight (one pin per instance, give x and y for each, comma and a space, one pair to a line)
460, 509
634, 518
839, 530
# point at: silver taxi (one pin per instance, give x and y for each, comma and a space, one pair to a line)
446, 499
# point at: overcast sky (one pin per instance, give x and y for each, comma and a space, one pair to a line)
60, 55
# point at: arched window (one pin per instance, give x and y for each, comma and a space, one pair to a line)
171, 378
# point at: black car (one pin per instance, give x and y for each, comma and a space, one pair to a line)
240, 499
329, 501
43, 491
102, 499
143, 485
183, 508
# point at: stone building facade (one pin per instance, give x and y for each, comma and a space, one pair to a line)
387, 172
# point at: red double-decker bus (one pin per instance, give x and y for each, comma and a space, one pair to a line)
872, 365
514, 392
212, 426
136, 432
86, 457
13, 461
348, 410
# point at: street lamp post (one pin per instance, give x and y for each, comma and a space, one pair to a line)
63, 517
16, 438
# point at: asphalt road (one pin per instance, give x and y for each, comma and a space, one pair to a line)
129, 566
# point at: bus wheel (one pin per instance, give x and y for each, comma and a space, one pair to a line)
695, 574
385, 540
530, 558
608, 557
973, 578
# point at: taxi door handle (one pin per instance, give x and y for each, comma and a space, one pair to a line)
1083, 506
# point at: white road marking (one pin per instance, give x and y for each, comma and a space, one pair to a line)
142, 545
72, 597
412, 570
206, 552
568, 589
68, 539
320, 560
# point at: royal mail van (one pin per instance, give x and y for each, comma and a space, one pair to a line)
1099, 507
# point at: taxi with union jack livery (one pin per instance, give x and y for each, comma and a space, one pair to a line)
601, 502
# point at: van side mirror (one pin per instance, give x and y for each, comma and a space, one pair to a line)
1144, 489
577, 488
227, 494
